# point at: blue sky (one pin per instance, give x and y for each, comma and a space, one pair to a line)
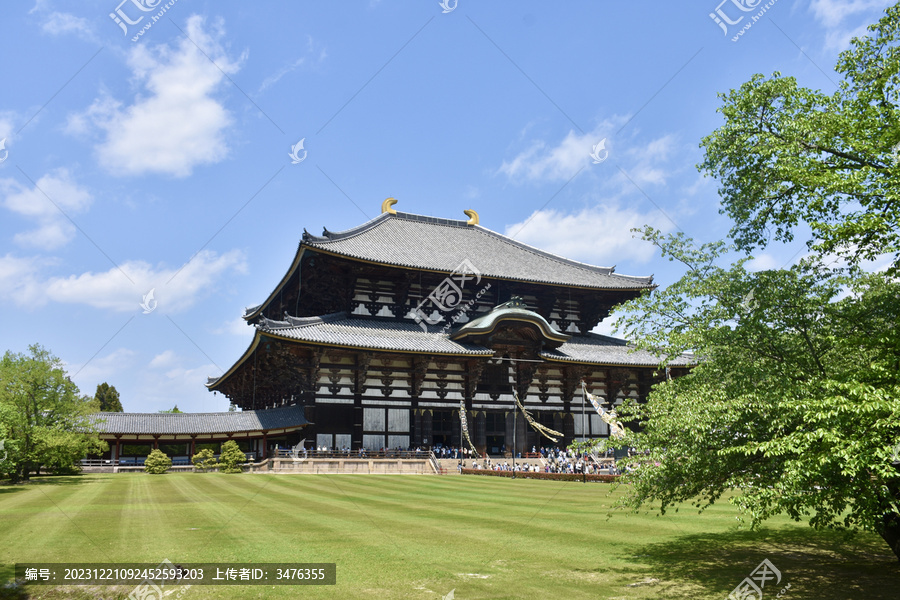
161, 160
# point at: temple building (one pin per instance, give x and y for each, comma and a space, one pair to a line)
382, 331
131, 436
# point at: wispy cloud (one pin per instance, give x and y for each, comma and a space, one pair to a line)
60, 23
543, 160
22, 282
835, 14
546, 161
177, 124
315, 55
53, 228
600, 235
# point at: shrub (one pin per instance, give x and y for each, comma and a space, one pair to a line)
157, 463
204, 460
231, 457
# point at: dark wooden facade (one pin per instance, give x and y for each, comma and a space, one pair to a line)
337, 336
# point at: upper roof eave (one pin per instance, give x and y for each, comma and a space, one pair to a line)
330, 240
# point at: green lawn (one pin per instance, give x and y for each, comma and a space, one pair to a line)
423, 536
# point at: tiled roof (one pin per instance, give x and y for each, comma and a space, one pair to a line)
416, 241
340, 330
602, 349
199, 423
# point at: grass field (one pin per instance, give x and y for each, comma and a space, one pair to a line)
422, 536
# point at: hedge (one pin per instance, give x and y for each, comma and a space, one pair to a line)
541, 475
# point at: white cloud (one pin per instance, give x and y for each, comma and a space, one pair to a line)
642, 163
163, 360
237, 326
48, 203
601, 235
181, 384
6, 125
540, 161
112, 290
58, 23
18, 281
99, 369
834, 14
174, 290
315, 54
763, 262
176, 124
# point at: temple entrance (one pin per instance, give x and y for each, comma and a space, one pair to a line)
495, 444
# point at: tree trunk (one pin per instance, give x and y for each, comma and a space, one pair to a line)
891, 532
890, 523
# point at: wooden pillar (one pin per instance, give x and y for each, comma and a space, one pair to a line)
568, 429
359, 387
156, 442
480, 437
193, 445
418, 433
521, 433
265, 445
428, 426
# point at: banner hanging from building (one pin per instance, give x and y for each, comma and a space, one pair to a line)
609, 417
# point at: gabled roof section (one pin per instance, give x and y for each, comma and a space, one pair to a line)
340, 330
415, 241
594, 348
513, 311
286, 417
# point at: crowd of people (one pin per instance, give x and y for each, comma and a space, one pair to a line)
554, 460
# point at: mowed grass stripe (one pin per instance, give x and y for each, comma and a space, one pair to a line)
421, 536
55, 518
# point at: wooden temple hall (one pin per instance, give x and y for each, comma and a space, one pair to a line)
380, 332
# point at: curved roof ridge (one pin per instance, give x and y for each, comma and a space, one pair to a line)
198, 414
307, 321
332, 236
538, 251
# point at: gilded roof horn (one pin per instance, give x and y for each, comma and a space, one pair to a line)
386, 206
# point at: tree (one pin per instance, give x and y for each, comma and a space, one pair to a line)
788, 154
173, 410
157, 462
231, 457
47, 421
795, 399
108, 398
794, 404
204, 460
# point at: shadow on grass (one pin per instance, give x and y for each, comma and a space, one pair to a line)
817, 564
6, 485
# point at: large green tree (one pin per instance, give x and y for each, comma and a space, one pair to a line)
45, 419
794, 404
790, 155
107, 397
